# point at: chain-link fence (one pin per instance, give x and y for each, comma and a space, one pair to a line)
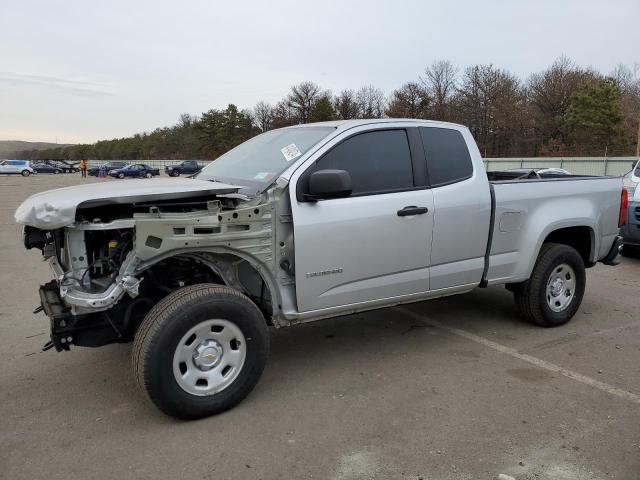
152, 163
577, 165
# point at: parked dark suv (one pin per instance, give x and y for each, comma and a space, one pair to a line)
188, 166
93, 171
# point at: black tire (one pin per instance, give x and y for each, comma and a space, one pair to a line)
56, 172
531, 296
25, 173
629, 251
175, 173
164, 326
121, 175
149, 175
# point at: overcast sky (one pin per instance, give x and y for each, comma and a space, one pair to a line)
85, 70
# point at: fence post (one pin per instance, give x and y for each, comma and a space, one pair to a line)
606, 162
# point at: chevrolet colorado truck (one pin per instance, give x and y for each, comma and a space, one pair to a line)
300, 224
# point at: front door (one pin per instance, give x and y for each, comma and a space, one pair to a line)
373, 244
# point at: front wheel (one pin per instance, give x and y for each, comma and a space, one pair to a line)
553, 294
149, 175
121, 175
200, 351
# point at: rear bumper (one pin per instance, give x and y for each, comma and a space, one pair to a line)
612, 256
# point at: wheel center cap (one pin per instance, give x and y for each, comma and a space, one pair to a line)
557, 287
207, 355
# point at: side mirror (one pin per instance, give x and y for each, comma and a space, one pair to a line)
329, 184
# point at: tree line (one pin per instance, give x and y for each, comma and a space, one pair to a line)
565, 110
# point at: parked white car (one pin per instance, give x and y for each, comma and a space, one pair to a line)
18, 167
631, 230
540, 171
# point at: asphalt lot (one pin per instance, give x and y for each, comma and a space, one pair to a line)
458, 388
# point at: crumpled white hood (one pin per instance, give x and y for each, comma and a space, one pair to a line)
57, 208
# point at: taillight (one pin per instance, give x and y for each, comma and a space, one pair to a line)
624, 205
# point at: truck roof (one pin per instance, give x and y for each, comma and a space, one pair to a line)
345, 124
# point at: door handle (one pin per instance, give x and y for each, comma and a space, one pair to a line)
412, 210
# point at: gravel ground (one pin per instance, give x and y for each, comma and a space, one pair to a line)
458, 388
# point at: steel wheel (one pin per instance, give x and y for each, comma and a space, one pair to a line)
561, 287
209, 357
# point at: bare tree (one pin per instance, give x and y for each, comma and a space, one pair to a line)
439, 81
345, 105
628, 82
489, 100
409, 101
262, 115
549, 94
283, 114
371, 102
303, 98
187, 120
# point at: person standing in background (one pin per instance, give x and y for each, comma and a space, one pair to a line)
83, 168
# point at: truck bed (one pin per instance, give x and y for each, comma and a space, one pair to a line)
526, 210
507, 176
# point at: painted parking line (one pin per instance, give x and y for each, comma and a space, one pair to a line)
592, 382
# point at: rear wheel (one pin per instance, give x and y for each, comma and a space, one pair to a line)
25, 173
200, 351
553, 294
56, 172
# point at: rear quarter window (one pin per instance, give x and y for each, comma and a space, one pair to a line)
448, 159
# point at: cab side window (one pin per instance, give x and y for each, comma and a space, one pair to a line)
448, 159
378, 161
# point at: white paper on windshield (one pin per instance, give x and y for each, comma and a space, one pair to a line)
290, 152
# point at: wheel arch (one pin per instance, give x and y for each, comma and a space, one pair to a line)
579, 237
236, 269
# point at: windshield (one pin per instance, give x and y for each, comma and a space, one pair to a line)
255, 163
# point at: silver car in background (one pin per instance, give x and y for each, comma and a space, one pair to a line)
16, 167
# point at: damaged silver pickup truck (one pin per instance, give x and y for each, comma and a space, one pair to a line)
299, 224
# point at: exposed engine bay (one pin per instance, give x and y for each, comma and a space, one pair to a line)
117, 260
